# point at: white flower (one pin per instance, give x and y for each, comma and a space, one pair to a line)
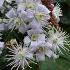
57, 12
28, 6
33, 13
21, 56
42, 50
34, 37
42, 15
16, 21
57, 40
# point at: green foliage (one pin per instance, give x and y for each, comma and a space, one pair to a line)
59, 64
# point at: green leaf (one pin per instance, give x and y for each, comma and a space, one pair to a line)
59, 64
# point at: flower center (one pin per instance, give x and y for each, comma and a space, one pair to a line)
31, 6
18, 21
34, 37
41, 49
55, 39
40, 16
21, 54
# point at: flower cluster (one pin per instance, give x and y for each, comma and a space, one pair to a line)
31, 19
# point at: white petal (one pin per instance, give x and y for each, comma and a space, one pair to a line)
2, 45
49, 45
40, 57
34, 24
33, 43
19, 1
34, 31
33, 46
3, 27
23, 28
27, 40
41, 37
20, 7
49, 53
30, 55
23, 65
1, 2
30, 15
57, 12
11, 25
23, 14
42, 8
11, 13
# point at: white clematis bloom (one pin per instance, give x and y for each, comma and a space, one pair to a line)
57, 40
29, 6
35, 11
21, 56
57, 12
16, 21
35, 37
42, 15
43, 50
